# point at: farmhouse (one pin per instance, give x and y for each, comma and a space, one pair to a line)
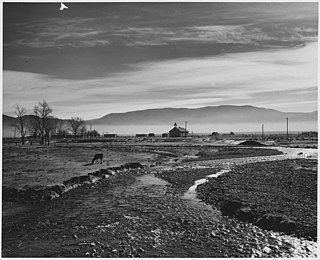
178, 131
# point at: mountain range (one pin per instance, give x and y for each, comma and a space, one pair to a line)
210, 114
152, 119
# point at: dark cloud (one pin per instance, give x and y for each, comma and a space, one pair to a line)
90, 40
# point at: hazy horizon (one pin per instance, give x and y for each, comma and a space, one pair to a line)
198, 128
94, 59
206, 128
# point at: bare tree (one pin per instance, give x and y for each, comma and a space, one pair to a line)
62, 130
83, 130
34, 126
21, 123
76, 125
93, 133
42, 113
50, 125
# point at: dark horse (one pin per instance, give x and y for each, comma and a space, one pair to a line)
97, 156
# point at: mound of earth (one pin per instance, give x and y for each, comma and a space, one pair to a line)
251, 143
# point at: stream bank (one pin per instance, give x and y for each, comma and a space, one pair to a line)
32, 194
279, 195
137, 214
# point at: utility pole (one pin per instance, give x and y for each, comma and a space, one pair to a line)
90, 133
15, 129
287, 128
185, 127
262, 132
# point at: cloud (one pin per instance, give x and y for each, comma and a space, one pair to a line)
58, 33
300, 93
91, 32
281, 78
225, 34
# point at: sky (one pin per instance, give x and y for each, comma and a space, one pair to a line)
93, 59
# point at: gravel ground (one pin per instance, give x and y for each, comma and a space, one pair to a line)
286, 189
136, 214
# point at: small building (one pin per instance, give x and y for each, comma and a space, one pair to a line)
309, 134
141, 135
151, 135
164, 134
110, 135
177, 131
215, 134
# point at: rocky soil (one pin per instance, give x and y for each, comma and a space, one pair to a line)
118, 211
135, 214
279, 195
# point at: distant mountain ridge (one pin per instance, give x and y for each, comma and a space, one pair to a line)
209, 114
223, 118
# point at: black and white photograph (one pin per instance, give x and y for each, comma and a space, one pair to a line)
173, 129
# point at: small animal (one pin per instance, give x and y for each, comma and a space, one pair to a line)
97, 156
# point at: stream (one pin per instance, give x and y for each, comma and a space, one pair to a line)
300, 247
135, 215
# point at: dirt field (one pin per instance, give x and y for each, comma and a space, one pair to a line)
145, 212
37, 166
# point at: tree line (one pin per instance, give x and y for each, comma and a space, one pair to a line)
41, 124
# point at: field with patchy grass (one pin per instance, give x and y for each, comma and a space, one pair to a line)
38, 166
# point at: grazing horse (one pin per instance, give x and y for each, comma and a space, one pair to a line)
97, 156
